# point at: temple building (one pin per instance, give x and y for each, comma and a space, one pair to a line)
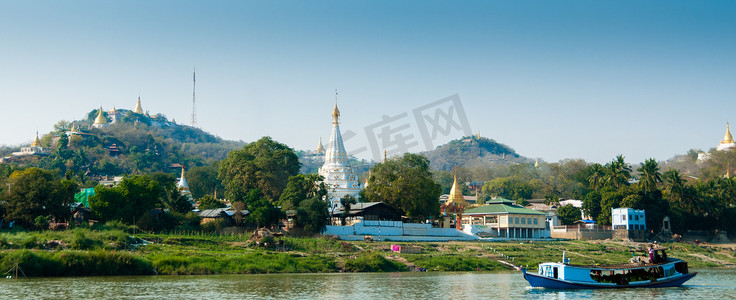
138, 108
100, 121
34, 149
727, 142
340, 178
114, 115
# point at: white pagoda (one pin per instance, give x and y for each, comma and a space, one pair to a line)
183, 187
340, 177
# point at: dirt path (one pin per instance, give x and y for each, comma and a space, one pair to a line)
401, 260
715, 260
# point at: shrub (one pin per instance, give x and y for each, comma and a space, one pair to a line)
372, 262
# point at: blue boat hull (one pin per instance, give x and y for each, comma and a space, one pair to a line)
552, 283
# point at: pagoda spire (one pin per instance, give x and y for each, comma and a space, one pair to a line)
138, 108
36, 141
727, 138
320, 148
335, 112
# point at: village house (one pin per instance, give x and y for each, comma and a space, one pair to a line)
503, 218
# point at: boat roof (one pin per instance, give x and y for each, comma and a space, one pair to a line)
620, 266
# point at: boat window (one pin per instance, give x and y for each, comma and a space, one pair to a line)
554, 270
624, 277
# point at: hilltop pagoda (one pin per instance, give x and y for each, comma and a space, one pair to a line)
727, 142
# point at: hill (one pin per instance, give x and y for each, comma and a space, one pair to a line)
472, 151
131, 143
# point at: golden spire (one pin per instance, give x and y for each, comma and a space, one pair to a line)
138, 108
728, 170
384, 155
478, 135
335, 111
320, 148
727, 138
100, 118
536, 163
36, 141
456, 194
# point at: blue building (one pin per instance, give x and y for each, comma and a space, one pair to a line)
628, 218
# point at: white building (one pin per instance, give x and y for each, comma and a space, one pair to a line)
628, 218
34, 149
340, 178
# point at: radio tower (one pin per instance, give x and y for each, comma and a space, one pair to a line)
194, 103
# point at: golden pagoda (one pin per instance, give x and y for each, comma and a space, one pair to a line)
727, 138
138, 108
456, 195
36, 141
727, 141
100, 121
320, 148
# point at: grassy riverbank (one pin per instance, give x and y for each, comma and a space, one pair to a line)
116, 251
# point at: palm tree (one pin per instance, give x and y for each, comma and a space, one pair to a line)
650, 175
618, 173
679, 193
596, 177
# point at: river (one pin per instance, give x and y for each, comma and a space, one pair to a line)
713, 283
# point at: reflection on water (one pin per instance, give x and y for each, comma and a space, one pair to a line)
431, 285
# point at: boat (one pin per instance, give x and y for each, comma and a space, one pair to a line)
638, 272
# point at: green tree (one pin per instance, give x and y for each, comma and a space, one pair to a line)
312, 215
301, 187
264, 213
405, 183
509, 188
346, 202
618, 173
34, 192
612, 198
598, 172
209, 202
265, 165
650, 176
128, 201
203, 181
568, 214
592, 204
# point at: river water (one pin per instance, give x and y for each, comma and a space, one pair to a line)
711, 283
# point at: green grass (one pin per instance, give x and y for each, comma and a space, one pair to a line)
373, 262
112, 250
454, 262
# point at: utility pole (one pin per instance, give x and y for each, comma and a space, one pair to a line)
194, 103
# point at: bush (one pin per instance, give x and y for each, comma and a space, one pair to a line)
373, 262
214, 226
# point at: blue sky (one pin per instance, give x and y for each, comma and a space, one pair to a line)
551, 79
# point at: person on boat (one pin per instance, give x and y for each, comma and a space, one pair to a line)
651, 254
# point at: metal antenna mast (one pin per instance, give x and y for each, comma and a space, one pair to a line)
194, 103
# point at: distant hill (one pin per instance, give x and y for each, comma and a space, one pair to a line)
131, 143
472, 151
